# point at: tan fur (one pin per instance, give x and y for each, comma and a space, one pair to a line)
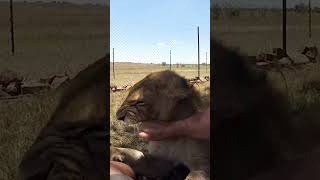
166, 96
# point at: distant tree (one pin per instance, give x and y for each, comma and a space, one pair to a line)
262, 12
216, 11
163, 63
252, 13
301, 8
316, 9
231, 11
234, 13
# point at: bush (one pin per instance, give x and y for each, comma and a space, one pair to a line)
301, 8
216, 11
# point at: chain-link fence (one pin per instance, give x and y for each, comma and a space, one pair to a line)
53, 37
155, 34
255, 26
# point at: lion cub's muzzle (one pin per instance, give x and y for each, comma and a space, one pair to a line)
128, 114
121, 113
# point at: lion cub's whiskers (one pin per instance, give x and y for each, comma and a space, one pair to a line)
135, 127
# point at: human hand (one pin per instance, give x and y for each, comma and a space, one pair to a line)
196, 126
155, 131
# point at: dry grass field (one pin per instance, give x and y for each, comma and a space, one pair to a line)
50, 39
302, 86
126, 73
21, 121
254, 33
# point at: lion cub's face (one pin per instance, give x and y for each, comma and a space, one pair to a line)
154, 98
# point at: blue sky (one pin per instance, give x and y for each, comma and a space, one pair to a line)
144, 31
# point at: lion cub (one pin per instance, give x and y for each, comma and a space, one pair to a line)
166, 96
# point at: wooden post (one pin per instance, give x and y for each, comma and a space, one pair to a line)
309, 19
284, 25
206, 62
12, 28
170, 60
114, 75
198, 55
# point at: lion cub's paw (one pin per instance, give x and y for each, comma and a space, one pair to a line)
125, 155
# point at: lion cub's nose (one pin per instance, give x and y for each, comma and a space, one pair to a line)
121, 114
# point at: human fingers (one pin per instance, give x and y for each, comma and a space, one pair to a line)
153, 125
153, 131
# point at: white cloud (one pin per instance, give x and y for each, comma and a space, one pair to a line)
161, 44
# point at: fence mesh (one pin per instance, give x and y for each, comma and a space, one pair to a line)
141, 48
255, 26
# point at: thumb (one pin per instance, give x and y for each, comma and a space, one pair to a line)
144, 135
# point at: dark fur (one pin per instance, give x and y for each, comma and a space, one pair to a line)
305, 167
73, 145
152, 167
253, 131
